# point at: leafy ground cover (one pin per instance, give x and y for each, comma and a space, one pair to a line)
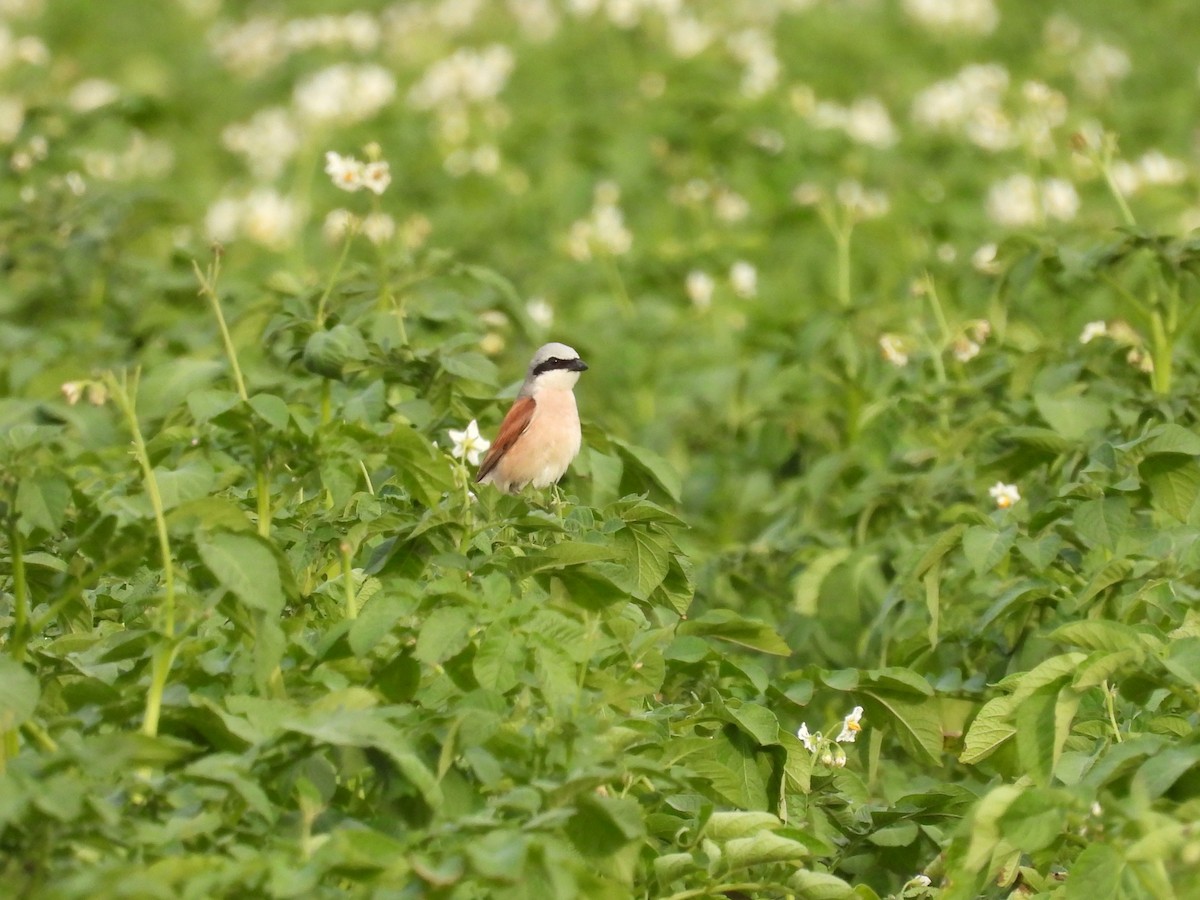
877, 574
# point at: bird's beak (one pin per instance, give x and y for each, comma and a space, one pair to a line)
578, 365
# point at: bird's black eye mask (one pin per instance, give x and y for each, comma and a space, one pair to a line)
554, 362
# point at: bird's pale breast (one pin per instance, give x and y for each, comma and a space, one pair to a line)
544, 451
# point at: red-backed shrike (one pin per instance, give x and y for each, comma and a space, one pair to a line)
540, 435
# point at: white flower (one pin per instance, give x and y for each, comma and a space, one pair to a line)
969, 16
700, 287
267, 141
744, 279
1060, 199
850, 726
344, 93
469, 444
340, 224
811, 742
1005, 495
379, 228
345, 171
920, 881
376, 176
892, 348
984, 259
92, 93
1013, 202
73, 391
540, 311
965, 349
1093, 330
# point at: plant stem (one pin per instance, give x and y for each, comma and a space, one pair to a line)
262, 485
1122, 205
841, 237
208, 287
1161, 352
337, 270
125, 397
1112, 712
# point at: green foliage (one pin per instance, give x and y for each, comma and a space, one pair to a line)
262, 635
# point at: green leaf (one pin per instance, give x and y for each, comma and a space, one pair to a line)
762, 848
984, 546
725, 825
945, 542
185, 484
206, 404
757, 721
1098, 634
1103, 665
1162, 770
821, 886
422, 469
1095, 874
1034, 820
895, 679
917, 724
471, 366
18, 695
348, 727
1071, 415
1043, 720
272, 410
443, 634
500, 658
375, 621
649, 559
1103, 522
807, 588
729, 768
727, 625
42, 502
1172, 438
564, 554
162, 390
660, 471
1174, 482
1040, 551
601, 826
499, 854
245, 565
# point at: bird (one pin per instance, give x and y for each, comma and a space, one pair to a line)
540, 435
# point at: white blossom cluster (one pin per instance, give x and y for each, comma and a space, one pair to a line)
260, 43
602, 232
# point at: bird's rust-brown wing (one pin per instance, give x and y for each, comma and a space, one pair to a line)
513, 426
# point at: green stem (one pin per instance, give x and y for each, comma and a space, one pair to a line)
841, 237
938, 313
208, 287
1122, 205
19, 633
263, 487
125, 397
333, 276
1161, 353
160, 669
1112, 712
